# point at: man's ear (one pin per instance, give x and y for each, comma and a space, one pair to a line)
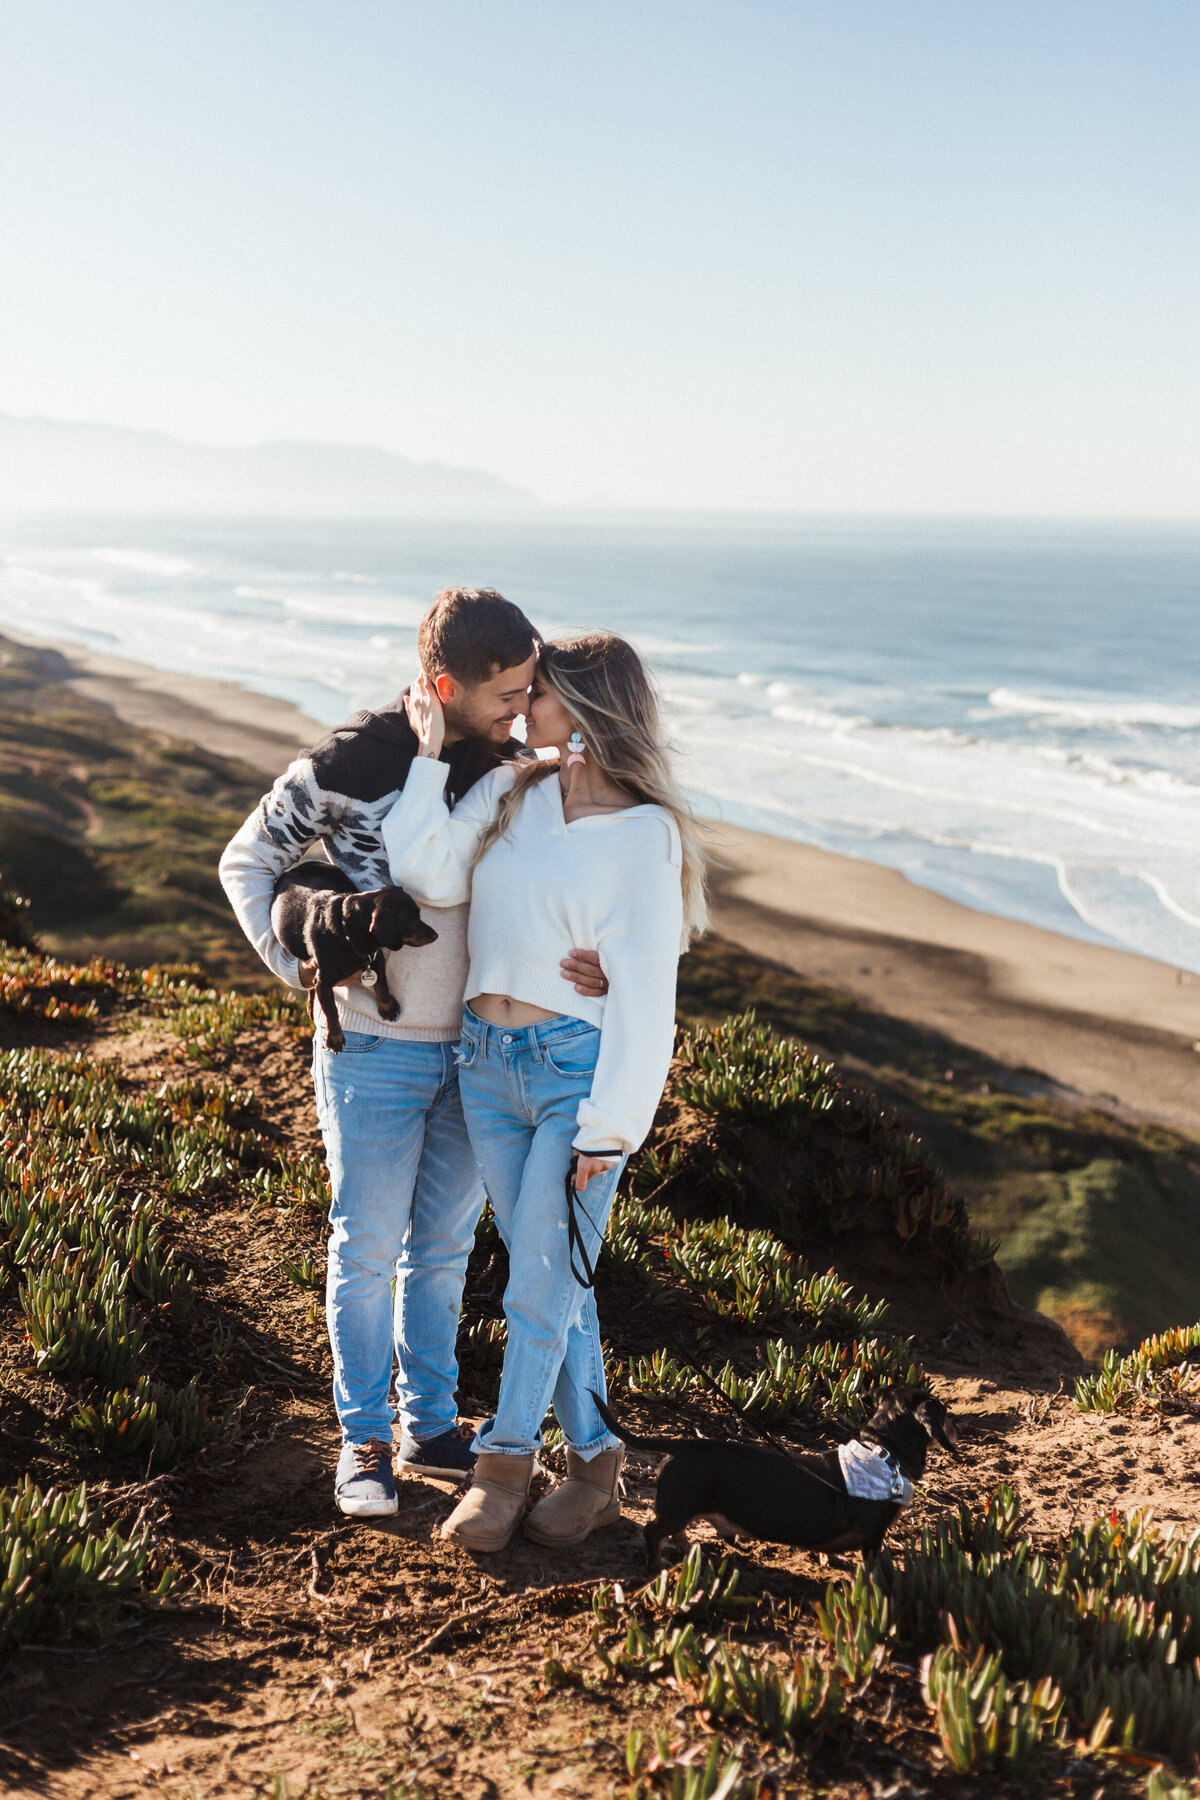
446, 689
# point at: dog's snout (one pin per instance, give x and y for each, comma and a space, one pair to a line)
420, 935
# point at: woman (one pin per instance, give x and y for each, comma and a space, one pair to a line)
598, 848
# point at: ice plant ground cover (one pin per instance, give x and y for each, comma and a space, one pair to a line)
166, 1450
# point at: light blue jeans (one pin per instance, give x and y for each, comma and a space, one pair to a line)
406, 1199
520, 1093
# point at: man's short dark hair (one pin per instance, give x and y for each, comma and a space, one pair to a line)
473, 633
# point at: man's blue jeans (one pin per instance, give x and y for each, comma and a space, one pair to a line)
406, 1199
521, 1092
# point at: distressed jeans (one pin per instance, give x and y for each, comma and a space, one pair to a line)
521, 1091
406, 1199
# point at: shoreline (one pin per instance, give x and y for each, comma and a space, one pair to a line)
1102, 1022
221, 716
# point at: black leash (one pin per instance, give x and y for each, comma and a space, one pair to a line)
588, 1280
575, 1241
575, 1244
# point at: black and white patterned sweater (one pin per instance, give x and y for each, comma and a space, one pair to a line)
339, 795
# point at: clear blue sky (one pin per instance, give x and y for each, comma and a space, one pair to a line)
889, 255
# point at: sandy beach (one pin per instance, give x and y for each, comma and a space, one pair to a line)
221, 715
1098, 1021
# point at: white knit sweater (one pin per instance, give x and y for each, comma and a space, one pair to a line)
609, 882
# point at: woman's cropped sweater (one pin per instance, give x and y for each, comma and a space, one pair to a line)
609, 882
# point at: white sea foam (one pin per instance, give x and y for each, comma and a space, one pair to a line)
816, 718
145, 562
1119, 844
1097, 714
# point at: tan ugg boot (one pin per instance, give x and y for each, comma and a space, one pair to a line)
488, 1513
586, 1500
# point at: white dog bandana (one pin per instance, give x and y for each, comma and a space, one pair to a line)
869, 1476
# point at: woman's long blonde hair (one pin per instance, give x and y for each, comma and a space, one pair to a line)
602, 683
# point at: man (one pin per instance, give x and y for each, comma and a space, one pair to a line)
406, 1191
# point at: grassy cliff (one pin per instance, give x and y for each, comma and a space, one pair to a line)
113, 833
784, 1245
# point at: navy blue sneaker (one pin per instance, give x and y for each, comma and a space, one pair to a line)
365, 1486
448, 1454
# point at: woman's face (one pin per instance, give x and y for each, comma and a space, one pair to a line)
547, 721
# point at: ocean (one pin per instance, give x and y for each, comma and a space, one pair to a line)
1007, 712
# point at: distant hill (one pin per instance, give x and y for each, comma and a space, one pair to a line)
46, 464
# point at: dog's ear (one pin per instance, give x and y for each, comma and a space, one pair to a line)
355, 918
937, 1423
396, 921
886, 1404
388, 924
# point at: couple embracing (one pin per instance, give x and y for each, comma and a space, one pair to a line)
531, 1046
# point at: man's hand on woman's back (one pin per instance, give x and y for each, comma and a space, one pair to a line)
582, 969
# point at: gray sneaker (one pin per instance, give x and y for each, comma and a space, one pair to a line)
448, 1454
365, 1486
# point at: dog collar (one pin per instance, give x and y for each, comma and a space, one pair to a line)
368, 975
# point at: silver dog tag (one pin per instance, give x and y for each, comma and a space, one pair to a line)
368, 978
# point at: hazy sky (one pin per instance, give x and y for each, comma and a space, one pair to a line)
889, 255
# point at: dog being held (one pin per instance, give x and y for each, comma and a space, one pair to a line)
843, 1500
318, 914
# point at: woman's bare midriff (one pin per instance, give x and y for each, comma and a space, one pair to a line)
502, 1009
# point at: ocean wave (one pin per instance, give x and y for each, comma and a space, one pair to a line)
1097, 714
817, 719
145, 562
1088, 764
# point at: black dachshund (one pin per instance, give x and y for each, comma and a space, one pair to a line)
318, 914
765, 1494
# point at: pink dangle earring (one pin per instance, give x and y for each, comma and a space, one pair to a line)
576, 751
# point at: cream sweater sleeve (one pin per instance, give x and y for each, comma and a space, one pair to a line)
431, 850
639, 952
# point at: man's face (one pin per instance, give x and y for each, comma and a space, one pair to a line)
488, 710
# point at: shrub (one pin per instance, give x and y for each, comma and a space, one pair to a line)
717, 1778
152, 1423
61, 1568
856, 1623
984, 1721
825, 1157
1112, 1620
77, 1319
1161, 1371
782, 1705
